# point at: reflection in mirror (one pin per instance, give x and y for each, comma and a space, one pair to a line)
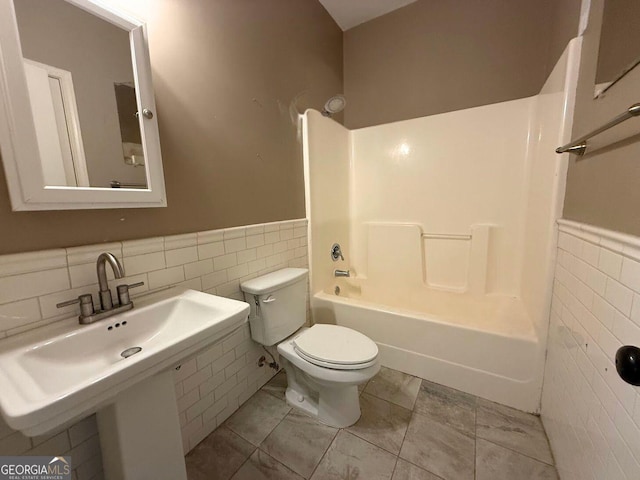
81, 87
619, 42
129, 127
53, 103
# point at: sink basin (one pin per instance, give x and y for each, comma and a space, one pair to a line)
59, 374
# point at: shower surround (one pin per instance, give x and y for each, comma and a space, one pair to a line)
447, 225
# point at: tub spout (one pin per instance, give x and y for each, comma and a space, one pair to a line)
341, 273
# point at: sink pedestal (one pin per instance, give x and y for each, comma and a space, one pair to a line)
140, 433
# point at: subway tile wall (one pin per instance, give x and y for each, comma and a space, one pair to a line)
211, 385
591, 415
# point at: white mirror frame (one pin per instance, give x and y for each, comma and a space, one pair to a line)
18, 143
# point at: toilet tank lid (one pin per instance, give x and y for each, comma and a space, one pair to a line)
273, 281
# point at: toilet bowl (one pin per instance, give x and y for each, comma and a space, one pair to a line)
324, 364
326, 390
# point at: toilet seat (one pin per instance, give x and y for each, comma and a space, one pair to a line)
336, 347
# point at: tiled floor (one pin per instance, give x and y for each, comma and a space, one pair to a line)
410, 429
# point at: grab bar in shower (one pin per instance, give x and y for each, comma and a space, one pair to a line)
579, 146
446, 236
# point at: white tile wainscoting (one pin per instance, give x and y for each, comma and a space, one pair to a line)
211, 385
591, 415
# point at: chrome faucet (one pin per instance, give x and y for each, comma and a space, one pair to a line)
341, 273
107, 308
106, 302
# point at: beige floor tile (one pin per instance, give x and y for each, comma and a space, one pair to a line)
494, 462
513, 429
394, 386
382, 423
277, 386
407, 471
350, 457
299, 442
218, 456
439, 449
361, 387
446, 405
257, 417
261, 466
435, 442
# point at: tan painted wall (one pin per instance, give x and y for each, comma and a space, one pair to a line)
564, 20
225, 73
619, 39
438, 56
603, 186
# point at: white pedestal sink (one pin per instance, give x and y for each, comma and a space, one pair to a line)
61, 374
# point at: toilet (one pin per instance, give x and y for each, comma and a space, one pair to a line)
324, 363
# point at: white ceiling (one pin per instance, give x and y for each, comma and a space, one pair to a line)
349, 13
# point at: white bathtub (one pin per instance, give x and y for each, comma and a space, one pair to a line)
484, 345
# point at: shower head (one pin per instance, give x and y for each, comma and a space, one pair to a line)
334, 105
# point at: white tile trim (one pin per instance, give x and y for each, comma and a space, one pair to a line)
622, 243
89, 253
210, 236
235, 232
19, 263
150, 255
173, 242
131, 248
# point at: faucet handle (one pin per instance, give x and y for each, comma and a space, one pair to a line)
336, 252
85, 301
123, 292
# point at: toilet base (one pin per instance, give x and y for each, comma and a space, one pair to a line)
336, 405
339, 408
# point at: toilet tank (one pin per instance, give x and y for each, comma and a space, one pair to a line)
278, 304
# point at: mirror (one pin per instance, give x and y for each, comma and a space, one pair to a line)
76, 64
74, 137
619, 51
